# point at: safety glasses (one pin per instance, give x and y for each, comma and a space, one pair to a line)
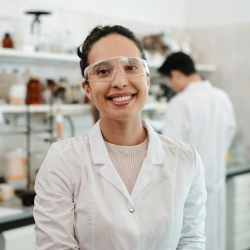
107, 69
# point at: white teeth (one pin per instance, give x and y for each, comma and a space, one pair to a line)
121, 99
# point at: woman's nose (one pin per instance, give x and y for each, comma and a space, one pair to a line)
119, 81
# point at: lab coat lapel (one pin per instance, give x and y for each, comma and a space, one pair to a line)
100, 156
109, 172
154, 157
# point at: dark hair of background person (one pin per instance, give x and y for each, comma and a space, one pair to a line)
102, 31
178, 61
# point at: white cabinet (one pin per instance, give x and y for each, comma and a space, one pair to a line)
238, 212
22, 238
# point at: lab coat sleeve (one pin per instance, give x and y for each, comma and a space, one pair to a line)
176, 122
192, 233
54, 206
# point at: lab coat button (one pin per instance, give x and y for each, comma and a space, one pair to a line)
131, 210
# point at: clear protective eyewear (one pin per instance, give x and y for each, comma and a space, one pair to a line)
107, 69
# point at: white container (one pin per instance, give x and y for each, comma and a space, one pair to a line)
17, 173
7, 191
17, 94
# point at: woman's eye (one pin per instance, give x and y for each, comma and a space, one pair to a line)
102, 72
132, 67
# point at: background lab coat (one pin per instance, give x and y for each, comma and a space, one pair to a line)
82, 203
202, 115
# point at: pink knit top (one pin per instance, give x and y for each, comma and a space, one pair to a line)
128, 161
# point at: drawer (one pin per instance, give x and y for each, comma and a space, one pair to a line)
242, 241
242, 184
242, 222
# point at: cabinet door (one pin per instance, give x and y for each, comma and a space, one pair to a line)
242, 222
242, 203
242, 241
22, 238
241, 184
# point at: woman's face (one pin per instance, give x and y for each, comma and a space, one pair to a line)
103, 93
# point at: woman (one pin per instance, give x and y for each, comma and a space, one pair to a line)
121, 185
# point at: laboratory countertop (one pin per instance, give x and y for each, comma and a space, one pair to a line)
24, 215
14, 215
237, 169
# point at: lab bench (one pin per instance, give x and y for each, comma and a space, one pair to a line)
15, 220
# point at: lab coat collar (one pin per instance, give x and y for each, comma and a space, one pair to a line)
148, 171
198, 85
100, 154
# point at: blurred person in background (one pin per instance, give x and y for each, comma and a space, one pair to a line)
201, 115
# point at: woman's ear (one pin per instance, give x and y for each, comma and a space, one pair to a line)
87, 90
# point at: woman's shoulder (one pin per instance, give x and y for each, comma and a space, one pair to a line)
168, 142
72, 142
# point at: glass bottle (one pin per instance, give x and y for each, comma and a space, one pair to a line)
7, 41
34, 92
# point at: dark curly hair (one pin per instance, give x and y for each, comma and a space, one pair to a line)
102, 31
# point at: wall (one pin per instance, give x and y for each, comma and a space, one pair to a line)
220, 32
201, 13
74, 19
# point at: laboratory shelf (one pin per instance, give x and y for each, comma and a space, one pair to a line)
64, 109
237, 169
19, 56
14, 56
200, 67
157, 106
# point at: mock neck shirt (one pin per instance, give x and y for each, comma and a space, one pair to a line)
128, 161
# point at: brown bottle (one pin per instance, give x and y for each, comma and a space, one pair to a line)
7, 41
34, 92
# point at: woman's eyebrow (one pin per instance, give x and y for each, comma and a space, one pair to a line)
102, 63
132, 59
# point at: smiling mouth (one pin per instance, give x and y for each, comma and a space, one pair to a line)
121, 99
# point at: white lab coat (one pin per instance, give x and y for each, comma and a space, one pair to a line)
82, 203
203, 115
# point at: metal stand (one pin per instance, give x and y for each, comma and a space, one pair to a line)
29, 132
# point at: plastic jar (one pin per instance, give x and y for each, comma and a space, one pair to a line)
17, 94
17, 173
